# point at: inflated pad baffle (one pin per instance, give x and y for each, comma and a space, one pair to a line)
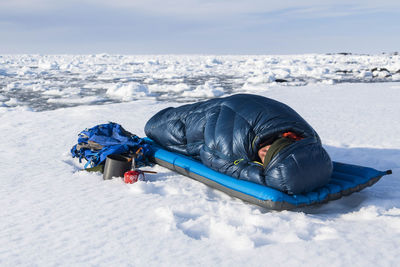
346, 179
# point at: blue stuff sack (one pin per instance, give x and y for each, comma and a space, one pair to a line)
96, 143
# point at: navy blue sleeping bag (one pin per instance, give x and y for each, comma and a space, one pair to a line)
225, 135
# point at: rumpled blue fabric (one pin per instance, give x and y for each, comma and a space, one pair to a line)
113, 139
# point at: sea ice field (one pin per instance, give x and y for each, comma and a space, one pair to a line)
54, 214
56, 81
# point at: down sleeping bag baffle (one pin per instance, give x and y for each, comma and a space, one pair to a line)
225, 135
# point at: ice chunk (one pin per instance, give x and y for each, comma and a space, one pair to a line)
208, 89
127, 91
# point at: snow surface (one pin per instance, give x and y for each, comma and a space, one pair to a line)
52, 214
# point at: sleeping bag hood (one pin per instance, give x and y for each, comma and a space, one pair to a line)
225, 134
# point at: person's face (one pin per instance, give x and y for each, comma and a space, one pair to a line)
262, 152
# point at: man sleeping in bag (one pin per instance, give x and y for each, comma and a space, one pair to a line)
248, 137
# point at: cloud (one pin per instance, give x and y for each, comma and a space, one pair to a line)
207, 8
191, 26
235, 7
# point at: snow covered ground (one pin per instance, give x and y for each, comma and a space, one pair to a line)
53, 214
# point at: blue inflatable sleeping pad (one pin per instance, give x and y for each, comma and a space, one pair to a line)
346, 179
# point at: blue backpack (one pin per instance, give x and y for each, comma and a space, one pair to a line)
96, 143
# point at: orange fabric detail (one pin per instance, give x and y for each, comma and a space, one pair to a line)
292, 135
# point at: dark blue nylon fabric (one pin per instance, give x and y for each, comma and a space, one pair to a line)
224, 134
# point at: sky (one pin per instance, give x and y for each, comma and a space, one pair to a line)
198, 26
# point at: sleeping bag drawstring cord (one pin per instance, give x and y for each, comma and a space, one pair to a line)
236, 162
